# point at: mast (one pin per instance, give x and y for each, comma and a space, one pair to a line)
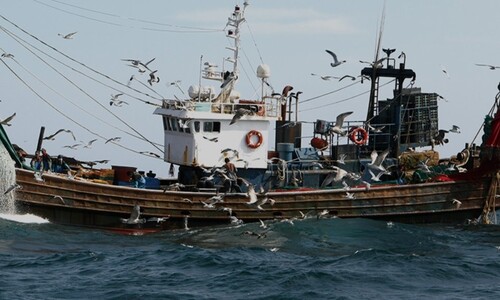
234, 21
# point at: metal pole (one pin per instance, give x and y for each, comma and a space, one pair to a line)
40, 139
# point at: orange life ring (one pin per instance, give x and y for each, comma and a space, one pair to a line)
358, 136
251, 143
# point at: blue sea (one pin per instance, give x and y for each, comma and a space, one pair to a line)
309, 259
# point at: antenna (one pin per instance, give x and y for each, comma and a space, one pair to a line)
379, 34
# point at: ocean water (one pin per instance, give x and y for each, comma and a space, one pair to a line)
309, 259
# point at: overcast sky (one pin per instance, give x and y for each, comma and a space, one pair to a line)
289, 36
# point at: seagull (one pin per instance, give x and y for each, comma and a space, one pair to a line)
377, 160
375, 129
322, 213
335, 62
134, 216
52, 137
262, 224
38, 176
422, 165
258, 235
68, 36
454, 129
290, 124
457, 203
240, 112
214, 139
7, 120
235, 221
89, 144
150, 154
104, 161
11, 188
142, 67
115, 139
7, 55
347, 76
350, 195
153, 78
335, 176
59, 198
229, 210
342, 158
325, 77
337, 128
443, 69
481, 65
225, 153
251, 194
374, 177
375, 64
73, 147
439, 137
228, 78
130, 80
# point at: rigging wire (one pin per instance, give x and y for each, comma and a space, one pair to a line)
85, 66
340, 101
182, 29
58, 110
329, 93
140, 137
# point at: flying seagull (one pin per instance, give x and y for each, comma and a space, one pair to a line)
73, 147
153, 78
134, 216
325, 77
142, 67
7, 120
377, 160
89, 144
454, 129
443, 69
240, 112
53, 136
150, 154
7, 55
439, 137
491, 67
347, 76
115, 139
337, 128
67, 36
375, 64
335, 62
115, 101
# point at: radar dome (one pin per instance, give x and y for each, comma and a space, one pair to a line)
263, 71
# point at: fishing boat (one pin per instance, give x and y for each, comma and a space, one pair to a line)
384, 167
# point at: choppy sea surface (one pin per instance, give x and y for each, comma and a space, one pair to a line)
309, 259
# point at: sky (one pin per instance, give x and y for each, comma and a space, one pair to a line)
56, 90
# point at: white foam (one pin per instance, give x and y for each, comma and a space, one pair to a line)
7, 178
26, 218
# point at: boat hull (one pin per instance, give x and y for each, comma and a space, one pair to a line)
75, 202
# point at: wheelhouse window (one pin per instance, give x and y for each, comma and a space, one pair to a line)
211, 126
197, 126
166, 124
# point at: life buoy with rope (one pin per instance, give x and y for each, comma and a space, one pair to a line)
250, 140
358, 136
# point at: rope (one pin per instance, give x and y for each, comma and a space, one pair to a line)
139, 136
490, 204
182, 29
